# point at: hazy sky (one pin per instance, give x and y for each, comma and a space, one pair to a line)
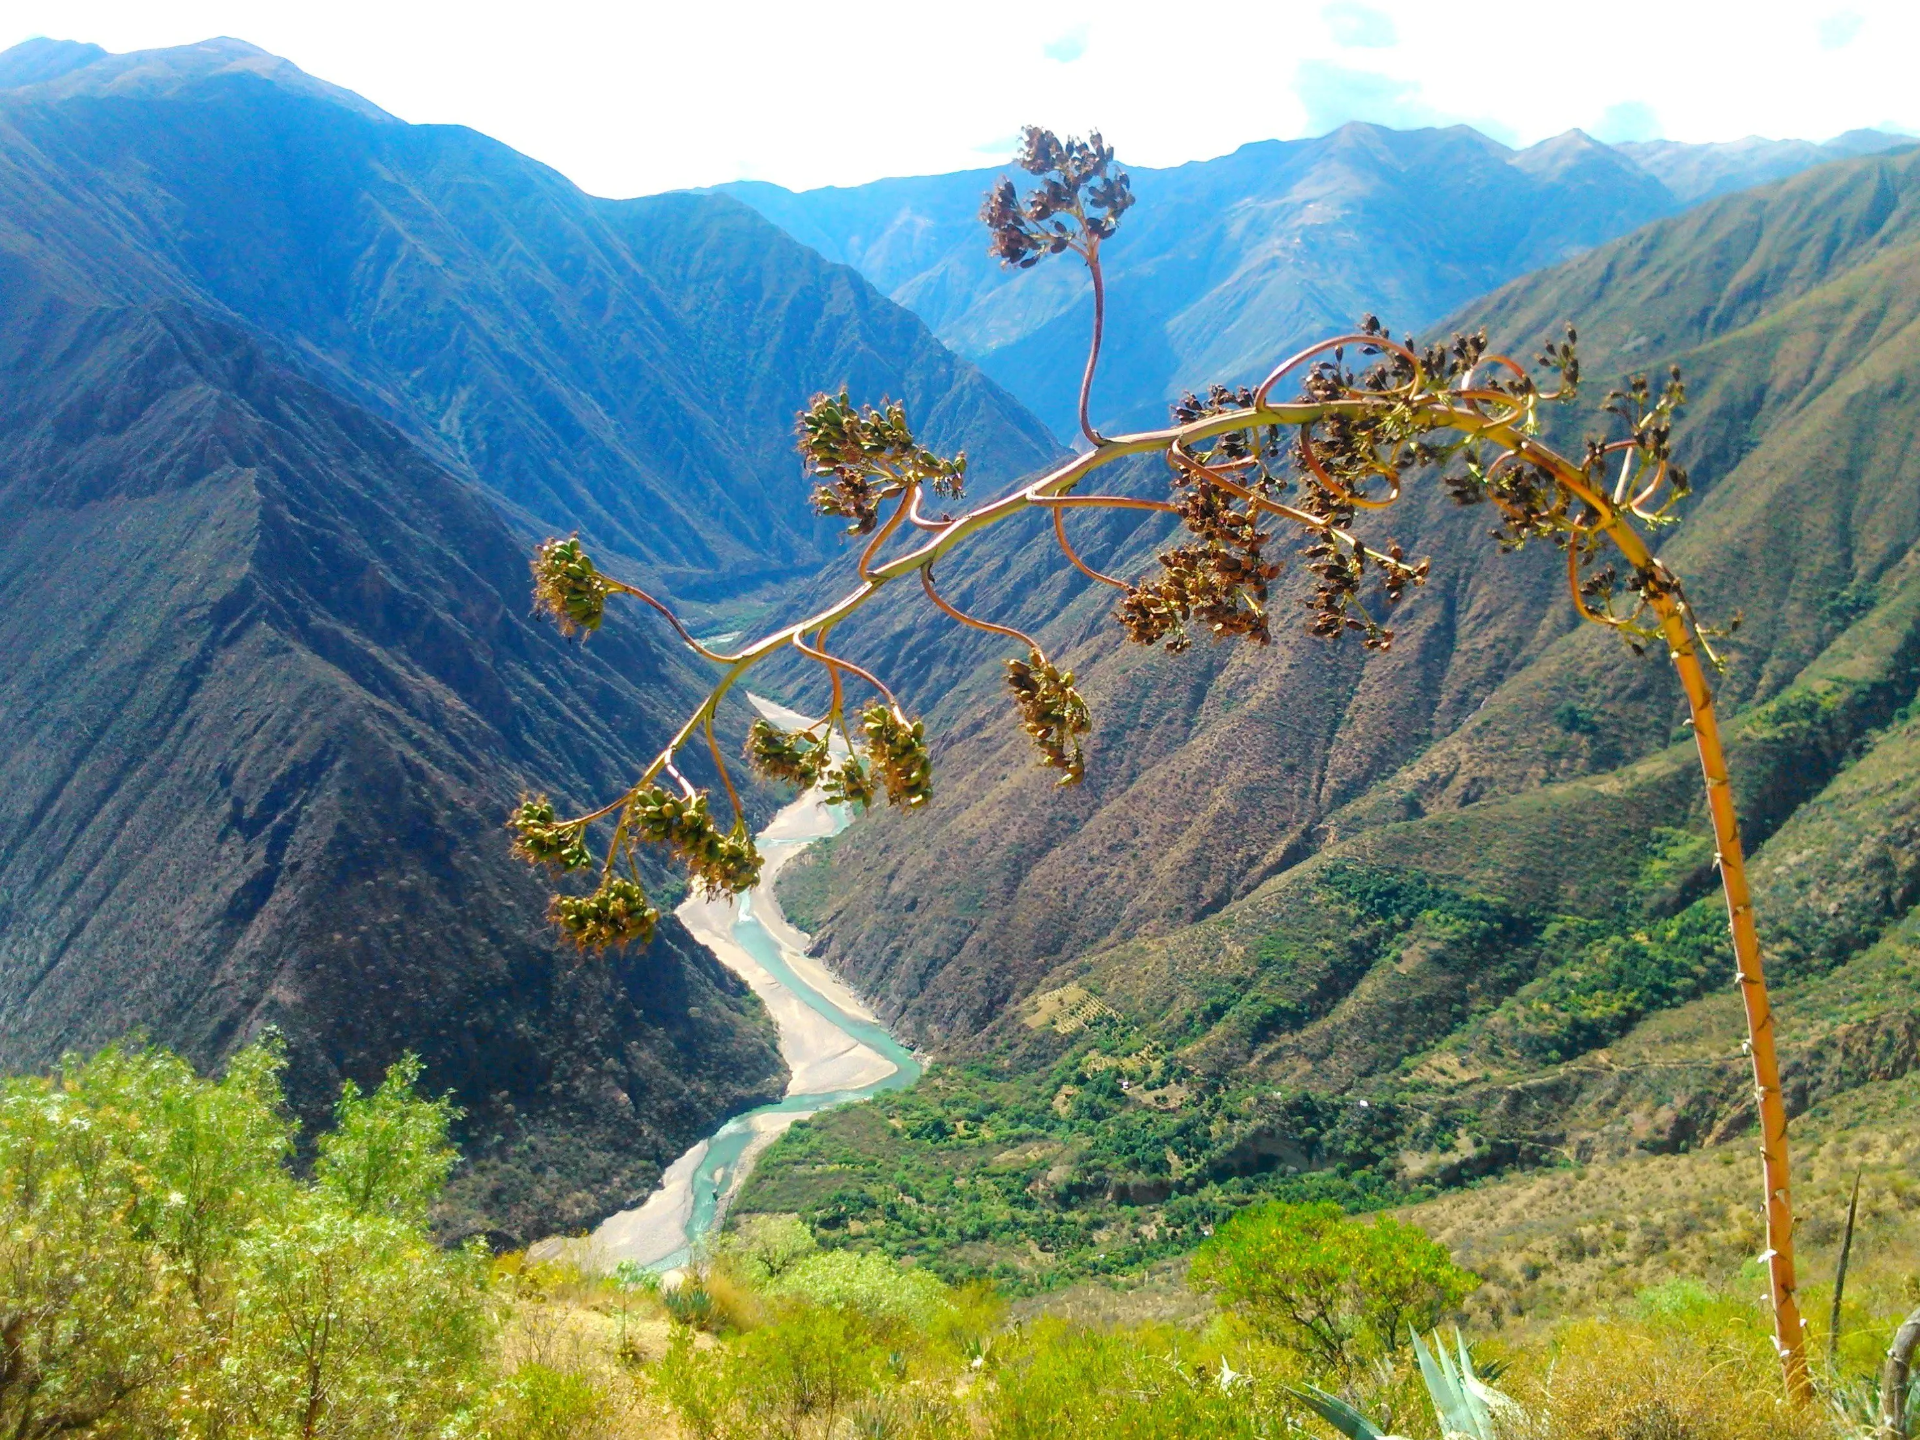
632, 98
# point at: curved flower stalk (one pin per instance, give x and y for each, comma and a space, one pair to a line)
1371, 416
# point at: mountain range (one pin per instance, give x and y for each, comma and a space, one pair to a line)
1468, 882
294, 386
1228, 264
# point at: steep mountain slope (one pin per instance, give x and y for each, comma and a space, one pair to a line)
269, 687
1230, 263
291, 383
524, 333
1501, 940
1215, 770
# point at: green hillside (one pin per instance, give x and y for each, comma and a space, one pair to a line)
1456, 881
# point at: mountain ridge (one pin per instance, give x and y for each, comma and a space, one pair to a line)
295, 385
1231, 261
1498, 939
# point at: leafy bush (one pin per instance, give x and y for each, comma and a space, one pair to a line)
764, 1247
542, 1403
1671, 1381
800, 1374
1339, 1292
162, 1272
862, 1281
1060, 1383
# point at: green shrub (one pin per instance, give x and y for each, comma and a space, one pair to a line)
1056, 1382
162, 1272
801, 1374
764, 1247
864, 1282
1337, 1291
541, 1403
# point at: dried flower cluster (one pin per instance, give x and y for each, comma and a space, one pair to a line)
615, 914
567, 587
1079, 200
540, 838
791, 757
860, 456
851, 782
1051, 712
892, 754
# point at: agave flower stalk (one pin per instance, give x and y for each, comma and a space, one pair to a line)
1245, 470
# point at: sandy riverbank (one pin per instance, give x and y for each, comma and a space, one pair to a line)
822, 1058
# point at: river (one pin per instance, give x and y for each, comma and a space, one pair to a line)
835, 1048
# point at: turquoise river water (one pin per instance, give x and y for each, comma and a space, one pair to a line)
726, 1145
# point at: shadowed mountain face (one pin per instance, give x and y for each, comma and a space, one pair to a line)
1227, 779
291, 383
629, 368
1229, 264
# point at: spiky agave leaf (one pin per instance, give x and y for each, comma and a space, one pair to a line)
1338, 1413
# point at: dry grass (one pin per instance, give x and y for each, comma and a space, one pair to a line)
1586, 1241
1615, 1382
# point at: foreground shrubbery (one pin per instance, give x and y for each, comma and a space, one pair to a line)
164, 1272
1297, 1285
161, 1271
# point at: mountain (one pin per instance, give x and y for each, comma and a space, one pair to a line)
34, 61
1228, 264
292, 384
565, 353
1470, 881
1700, 172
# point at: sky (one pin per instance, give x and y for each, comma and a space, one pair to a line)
634, 98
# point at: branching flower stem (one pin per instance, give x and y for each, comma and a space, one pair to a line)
1435, 410
973, 621
1349, 431
1091, 254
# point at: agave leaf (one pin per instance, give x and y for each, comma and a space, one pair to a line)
1339, 1414
1468, 1385
1444, 1389
1489, 1401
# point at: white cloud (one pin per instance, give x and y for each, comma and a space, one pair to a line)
1068, 47
1360, 27
1627, 120
631, 96
1837, 31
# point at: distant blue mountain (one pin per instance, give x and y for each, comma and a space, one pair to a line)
1229, 264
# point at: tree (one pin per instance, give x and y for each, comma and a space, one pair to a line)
162, 1271
1243, 467
1339, 1291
